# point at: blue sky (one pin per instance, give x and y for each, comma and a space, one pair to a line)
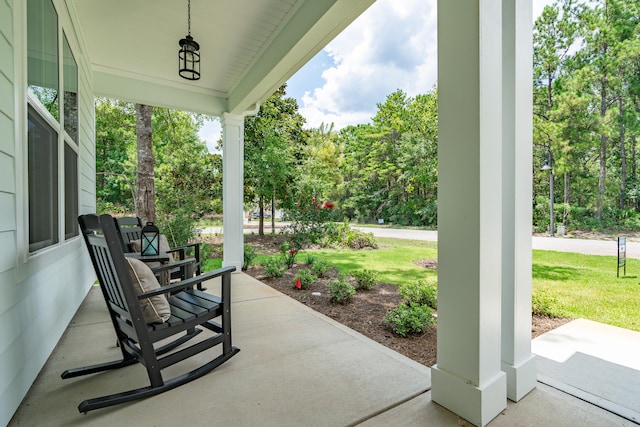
390, 46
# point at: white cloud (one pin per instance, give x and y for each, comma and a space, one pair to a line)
391, 46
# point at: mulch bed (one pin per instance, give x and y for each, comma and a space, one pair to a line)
366, 310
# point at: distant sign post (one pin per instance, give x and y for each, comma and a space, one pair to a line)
622, 255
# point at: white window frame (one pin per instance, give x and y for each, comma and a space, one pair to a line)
28, 98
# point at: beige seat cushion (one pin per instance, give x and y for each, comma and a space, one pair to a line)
155, 309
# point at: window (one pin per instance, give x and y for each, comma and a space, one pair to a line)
70, 86
52, 133
43, 183
42, 55
70, 92
70, 192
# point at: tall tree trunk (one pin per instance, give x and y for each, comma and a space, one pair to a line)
145, 188
623, 156
633, 169
273, 213
633, 158
603, 149
261, 217
567, 198
550, 92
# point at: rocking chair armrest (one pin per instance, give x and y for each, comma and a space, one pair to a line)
188, 245
181, 250
172, 265
189, 282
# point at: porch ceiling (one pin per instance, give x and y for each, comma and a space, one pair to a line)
248, 47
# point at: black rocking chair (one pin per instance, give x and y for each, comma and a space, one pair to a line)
190, 308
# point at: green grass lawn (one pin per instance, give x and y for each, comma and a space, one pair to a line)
586, 286
576, 285
392, 260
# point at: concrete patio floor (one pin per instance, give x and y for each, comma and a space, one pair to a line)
296, 368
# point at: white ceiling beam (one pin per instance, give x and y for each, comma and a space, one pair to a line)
143, 91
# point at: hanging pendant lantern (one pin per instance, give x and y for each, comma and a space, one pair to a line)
188, 55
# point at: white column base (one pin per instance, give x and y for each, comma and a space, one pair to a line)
478, 405
521, 379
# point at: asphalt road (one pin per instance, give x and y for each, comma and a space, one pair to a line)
560, 244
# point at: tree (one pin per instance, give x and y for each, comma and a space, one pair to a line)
115, 147
554, 37
186, 179
274, 140
145, 187
318, 174
390, 168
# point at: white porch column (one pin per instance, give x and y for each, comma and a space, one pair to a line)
233, 189
467, 378
517, 360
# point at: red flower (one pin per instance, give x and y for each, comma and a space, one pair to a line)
328, 205
298, 283
292, 251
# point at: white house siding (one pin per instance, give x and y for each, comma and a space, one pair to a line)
38, 294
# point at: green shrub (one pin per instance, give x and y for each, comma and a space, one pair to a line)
306, 278
410, 319
273, 267
543, 302
359, 240
420, 292
345, 236
341, 290
320, 267
178, 228
366, 279
249, 256
311, 259
206, 252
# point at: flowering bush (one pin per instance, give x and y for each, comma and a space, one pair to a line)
308, 221
304, 279
288, 253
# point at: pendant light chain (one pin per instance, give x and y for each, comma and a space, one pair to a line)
189, 17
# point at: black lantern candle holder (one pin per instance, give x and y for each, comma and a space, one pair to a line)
150, 240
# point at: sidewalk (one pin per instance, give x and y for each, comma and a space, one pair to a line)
595, 362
